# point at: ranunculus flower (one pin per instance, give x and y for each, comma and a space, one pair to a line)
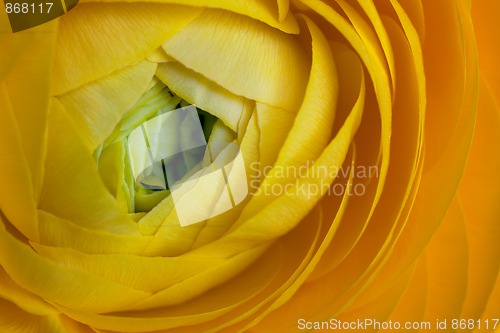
369, 133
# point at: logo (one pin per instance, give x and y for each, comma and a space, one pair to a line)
204, 179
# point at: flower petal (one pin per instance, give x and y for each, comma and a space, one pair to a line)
193, 315
135, 271
266, 11
207, 95
15, 173
447, 258
236, 301
27, 301
58, 283
287, 211
97, 107
27, 55
244, 56
58, 232
478, 195
95, 40
311, 129
72, 187
14, 320
486, 20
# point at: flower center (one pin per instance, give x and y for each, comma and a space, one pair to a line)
163, 140
165, 148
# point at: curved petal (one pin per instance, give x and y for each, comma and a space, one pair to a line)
14, 173
236, 301
311, 129
412, 304
447, 258
135, 271
445, 170
15, 320
60, 284
95, 40
72, 187
266, 11
29, 98
478, 194
207, 95
58, 232
486, 20
285, 307
25, 300
97, 107
24, 105
287, 210
244, 56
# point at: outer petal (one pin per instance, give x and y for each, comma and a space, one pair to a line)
15, 320
97, 107
244, 56
72, 187
311, 130
90, 35
58, 283
23, 113
478, 195
206, 94
277, 16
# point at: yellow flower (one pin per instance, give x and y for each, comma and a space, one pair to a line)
368, 132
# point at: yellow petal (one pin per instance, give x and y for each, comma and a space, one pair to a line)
429, 208
27, 301
391, 213
288, 305
447, 263
486, 20
207, 95
367, 147
274, 124
72, 187
150, 274
217, 226
112, 170
97, 107
378, 75
15, 320
244, 56
311, 129
28, 57
206, 280
95, 40
478, 195
375, 39
444, 164
159, 56
378, 309
450, 55
233, 302
266, 11
60, 284
287, 210
15, 173
63, 233
412, 304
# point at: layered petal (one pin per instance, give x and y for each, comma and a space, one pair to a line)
244, 56
90, 35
